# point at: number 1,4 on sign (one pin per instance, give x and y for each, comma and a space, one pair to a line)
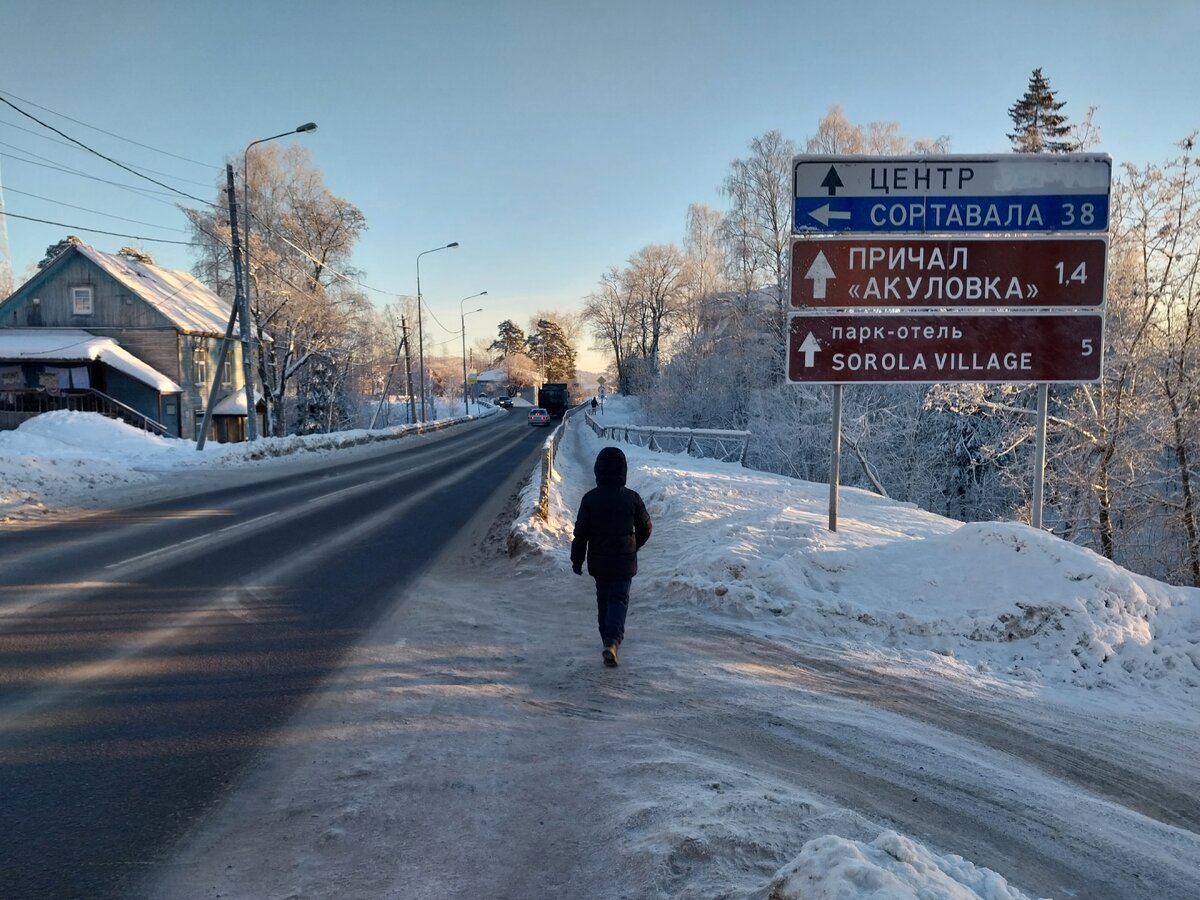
1079, 275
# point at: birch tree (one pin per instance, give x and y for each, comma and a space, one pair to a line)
299, 284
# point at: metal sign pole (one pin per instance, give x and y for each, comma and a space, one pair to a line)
835, 457
1039, 461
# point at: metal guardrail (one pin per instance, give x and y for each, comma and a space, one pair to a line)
548, 451
705, 443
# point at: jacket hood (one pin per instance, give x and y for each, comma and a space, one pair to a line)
610, 467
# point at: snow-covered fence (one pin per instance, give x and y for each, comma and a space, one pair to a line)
710, 443
548, 451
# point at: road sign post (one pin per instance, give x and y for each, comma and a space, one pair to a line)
970, 272
949, 268
874, 349
1016, 192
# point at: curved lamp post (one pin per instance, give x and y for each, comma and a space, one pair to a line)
251, 415
462, 321
420, 327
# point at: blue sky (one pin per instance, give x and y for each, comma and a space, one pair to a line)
551, 139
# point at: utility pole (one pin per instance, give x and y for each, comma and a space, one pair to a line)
387, 384
412, 406
238, 304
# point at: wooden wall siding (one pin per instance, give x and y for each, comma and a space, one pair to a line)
159, 347
143, 398
195, 396
112, 305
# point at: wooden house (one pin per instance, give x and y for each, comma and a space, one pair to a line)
114, 334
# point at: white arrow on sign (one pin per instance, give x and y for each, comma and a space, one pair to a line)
820, 271
824, 214
810, 348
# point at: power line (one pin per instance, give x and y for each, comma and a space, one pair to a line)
144, 192
46, 137
120, 165
182, 194
109, 133
135, 237
12, 190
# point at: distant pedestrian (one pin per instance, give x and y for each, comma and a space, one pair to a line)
595, 403
612, 525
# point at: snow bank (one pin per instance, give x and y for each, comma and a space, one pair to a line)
998, 603
891, 867
67, 459
993, 599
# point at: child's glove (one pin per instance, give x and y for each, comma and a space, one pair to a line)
577, 568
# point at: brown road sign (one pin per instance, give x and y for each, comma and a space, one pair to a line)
956, 273
1050, 347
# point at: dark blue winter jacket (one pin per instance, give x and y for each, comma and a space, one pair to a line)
612, 523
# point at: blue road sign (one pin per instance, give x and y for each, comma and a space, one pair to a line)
952, 194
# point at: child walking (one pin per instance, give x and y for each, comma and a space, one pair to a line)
612, 525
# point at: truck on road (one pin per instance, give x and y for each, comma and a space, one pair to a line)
555, 398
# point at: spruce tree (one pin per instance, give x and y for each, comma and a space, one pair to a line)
1038, 126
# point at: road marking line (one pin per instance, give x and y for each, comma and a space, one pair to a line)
170, 548
352, 487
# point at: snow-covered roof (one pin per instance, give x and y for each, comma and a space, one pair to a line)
74, 344
234, 404
492, 375
181, 297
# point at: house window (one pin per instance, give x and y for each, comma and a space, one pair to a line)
227, 373
81, 300
200, 365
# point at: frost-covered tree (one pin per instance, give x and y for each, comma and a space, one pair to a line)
655, 277
301, 240
609, 312
758, 223
1038, 126
836, 134
54, 250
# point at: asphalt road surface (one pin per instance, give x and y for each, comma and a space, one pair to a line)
146, 655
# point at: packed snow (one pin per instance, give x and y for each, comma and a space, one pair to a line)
997, 614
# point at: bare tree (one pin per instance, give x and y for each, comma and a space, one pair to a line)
836, 134
1174, 272
610, 312
655, 279
758, 229
704, 273
300, 281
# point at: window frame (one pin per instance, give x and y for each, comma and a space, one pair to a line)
200, 365
83, 299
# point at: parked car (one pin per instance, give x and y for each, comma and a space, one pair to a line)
506, 402
539, 416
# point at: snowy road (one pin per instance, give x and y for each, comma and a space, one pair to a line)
145, 655
474, 746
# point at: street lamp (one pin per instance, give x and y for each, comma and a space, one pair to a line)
420, 327
462, 321
251, 415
